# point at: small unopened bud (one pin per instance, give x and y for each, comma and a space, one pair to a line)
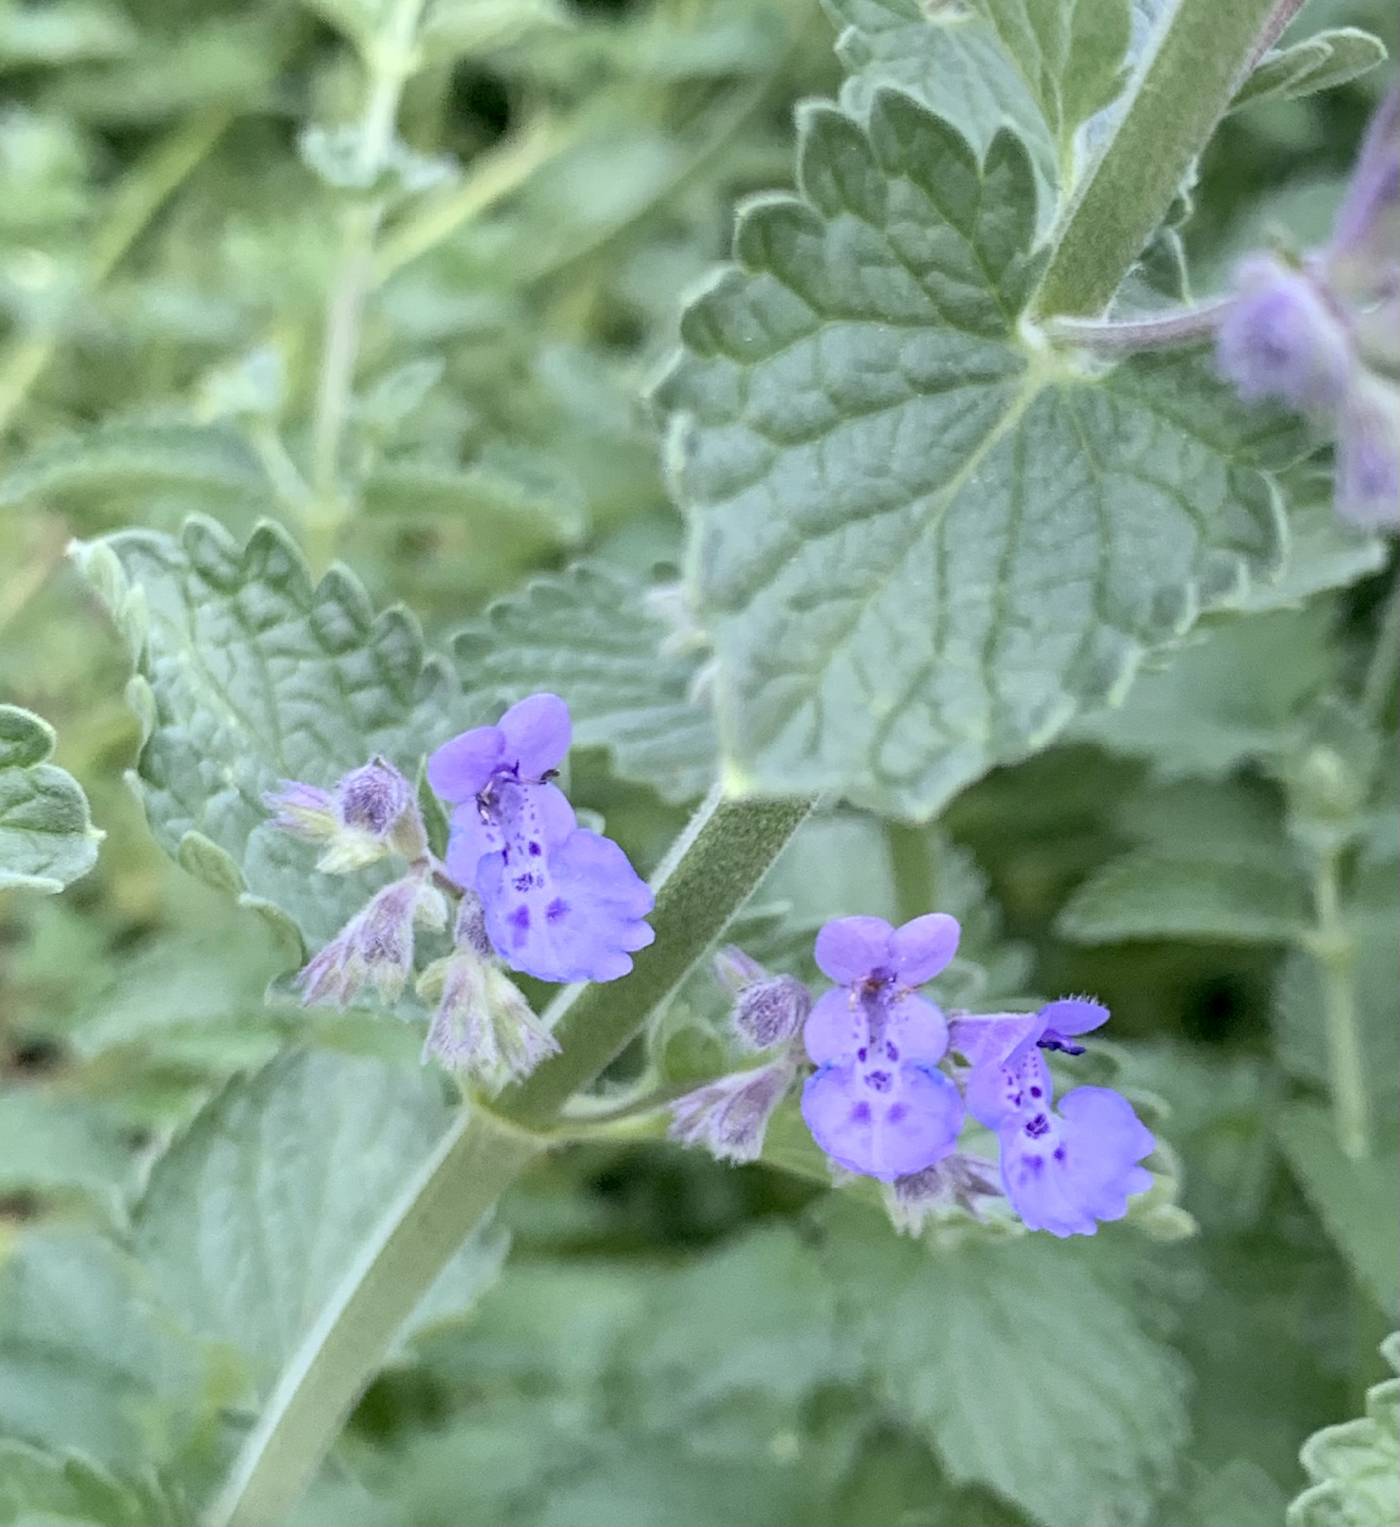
303, 811
470, 930
729, 1117
735, 970
370, 814
956, 1181
482, 1027
771, 1011
374, 950
1281, 337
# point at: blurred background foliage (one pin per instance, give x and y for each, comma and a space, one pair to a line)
675, 1342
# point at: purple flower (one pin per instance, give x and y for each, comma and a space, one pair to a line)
729, 1117
878, 1105
561, 903
375, 948
1368, 456
1063, 1172
370, 813
1283, 338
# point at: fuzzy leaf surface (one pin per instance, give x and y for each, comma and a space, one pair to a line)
919, 544
47, 839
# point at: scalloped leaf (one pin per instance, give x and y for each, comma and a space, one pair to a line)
1355, 1467
247, 673
590, 636
919, 541
1320, 62
47, 839
252, 1215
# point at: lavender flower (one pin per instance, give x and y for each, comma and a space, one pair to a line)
729, 1117
877, 1105
1283, 338
560, 902
1064, 1172
1368, 456
370, 814
375, 948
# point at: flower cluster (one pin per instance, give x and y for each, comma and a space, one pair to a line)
537, 892
1320, 334
882, 1101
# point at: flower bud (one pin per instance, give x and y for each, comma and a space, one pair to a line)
482, 1026
729, 1117
1368, 456
370, 814
303, 811
770, 1011
956, 1181
374, 949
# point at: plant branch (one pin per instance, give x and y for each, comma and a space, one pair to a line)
1179, 93
1331, 945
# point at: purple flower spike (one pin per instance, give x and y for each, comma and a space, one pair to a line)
559, 902
1066, 1172
1282, 338
878, 1105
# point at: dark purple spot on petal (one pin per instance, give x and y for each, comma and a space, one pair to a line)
891, 1053
1035, 1092
860, 1114
556, 909
1059, 1153
879, 1081
896, 1113
535, 850
521, 916
861, 1053
1038, 1126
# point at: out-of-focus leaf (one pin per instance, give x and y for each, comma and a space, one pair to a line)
89, 1359
1355, 1200
1148, 895
1355, 1467
60, 1146
865, 453
1320, 62
253, 1214
47, 839
590, 636
62, 32
248, 673
1059, 1401
38, 1487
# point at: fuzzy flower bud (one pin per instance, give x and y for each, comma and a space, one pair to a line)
370, 813
1282, 338
729, 1117
958, 1180
374, 949
483, 1026
771, 1011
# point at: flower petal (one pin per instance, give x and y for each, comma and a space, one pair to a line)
882, 1134
918, 1029
835, 1028
987, 1039
1072, 1015
848, 949
999, 1089
537, 734
460, 769
924, 946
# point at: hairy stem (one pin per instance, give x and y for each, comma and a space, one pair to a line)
1190, 326
912, 869
1180, 91
1383, 672
1332, 947
709, 874
132, 206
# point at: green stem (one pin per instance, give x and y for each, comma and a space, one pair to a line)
389, 62
1179, 93
453, 1191
709, 874
134, 203
912, 869
1332, 947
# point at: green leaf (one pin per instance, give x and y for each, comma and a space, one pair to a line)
51, 1145
866, 451
1320, 62
89, 1359
1355, 1200
47, 839
953, 62
128, 461
515, 494
40, 1487
463, 28
590, 636
1057, 1400
254, 1214
62, 33
1226, 698
1355, 1467
247, 673
1071, 55
1146, 894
